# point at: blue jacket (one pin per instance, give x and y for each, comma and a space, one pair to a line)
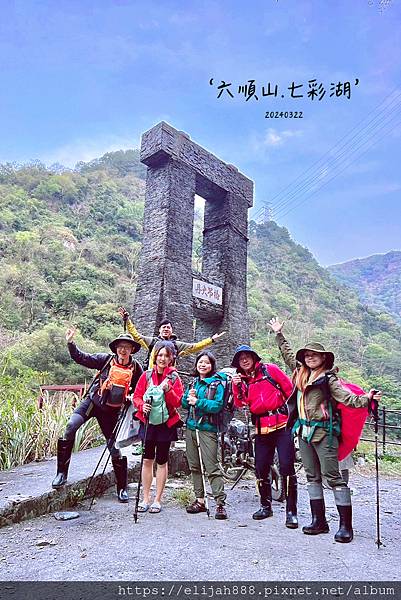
210, 397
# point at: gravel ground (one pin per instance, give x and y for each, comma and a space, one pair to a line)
105, 544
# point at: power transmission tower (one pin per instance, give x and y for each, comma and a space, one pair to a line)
266, 213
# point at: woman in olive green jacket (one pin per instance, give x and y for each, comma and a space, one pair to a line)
314, 418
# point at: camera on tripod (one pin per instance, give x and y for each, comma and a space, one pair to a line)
237, 457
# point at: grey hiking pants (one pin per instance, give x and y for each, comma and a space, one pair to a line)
208, 448
321, 460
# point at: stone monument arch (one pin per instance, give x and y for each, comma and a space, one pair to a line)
198, 304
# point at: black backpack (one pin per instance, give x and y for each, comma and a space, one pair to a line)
224, 417
269, 378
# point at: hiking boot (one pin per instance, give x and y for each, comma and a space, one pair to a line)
345, 533
319, 523
263, 513
342, 497
265, 492
121, 474
221, 512
64, 450
291, 494
196, 507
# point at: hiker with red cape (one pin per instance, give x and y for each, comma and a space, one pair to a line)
314, 416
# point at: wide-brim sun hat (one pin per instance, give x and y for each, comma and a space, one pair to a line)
315, 347
124, 337
243, 348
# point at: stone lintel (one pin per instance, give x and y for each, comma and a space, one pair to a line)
213, 175
207, 311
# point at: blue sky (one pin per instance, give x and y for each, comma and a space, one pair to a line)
81, 78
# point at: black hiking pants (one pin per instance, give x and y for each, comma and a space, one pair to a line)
265, 446
106, 417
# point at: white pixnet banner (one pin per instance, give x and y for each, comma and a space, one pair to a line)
207, 291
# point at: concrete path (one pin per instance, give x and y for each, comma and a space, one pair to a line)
26, 491
105, 544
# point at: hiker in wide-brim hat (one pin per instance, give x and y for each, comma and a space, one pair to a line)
124, 337
314, 418
118, 374
319, 349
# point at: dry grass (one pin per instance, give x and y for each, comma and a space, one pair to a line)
29, 433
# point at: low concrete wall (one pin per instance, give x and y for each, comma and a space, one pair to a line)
26, 492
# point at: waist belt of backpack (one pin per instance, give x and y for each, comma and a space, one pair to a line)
333, 427
281, 410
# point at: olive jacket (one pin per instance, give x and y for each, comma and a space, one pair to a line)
148, 343
314, 414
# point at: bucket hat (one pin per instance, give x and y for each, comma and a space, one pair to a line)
124, 337
315, 347
243, 348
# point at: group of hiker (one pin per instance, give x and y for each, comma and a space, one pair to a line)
306, 405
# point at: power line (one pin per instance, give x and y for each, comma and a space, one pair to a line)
352, 149
333, 165
338, 144
289, 209
308, 182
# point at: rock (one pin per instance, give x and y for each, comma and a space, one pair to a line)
66, 516
43, 543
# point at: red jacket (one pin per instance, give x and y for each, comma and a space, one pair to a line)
172, 396
262, 396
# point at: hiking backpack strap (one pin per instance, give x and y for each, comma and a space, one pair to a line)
332, 407
148, 373
173, 376
269, 378
282, 409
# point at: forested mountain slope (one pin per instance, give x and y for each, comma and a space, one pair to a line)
69, 244
377, 279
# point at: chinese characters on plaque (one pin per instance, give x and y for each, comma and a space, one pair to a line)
207, 291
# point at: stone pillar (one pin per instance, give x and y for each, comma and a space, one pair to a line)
164, 286
177, 170
225, 260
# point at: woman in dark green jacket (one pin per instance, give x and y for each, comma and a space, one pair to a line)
204, 400
313, 417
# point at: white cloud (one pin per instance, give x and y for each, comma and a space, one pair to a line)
273, 137
86, 150
374, 190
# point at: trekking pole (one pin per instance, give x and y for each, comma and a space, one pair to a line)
202, 468
109, 444
149, 401
222, 442
374, 409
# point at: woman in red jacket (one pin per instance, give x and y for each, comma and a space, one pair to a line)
265, 388
163, 419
